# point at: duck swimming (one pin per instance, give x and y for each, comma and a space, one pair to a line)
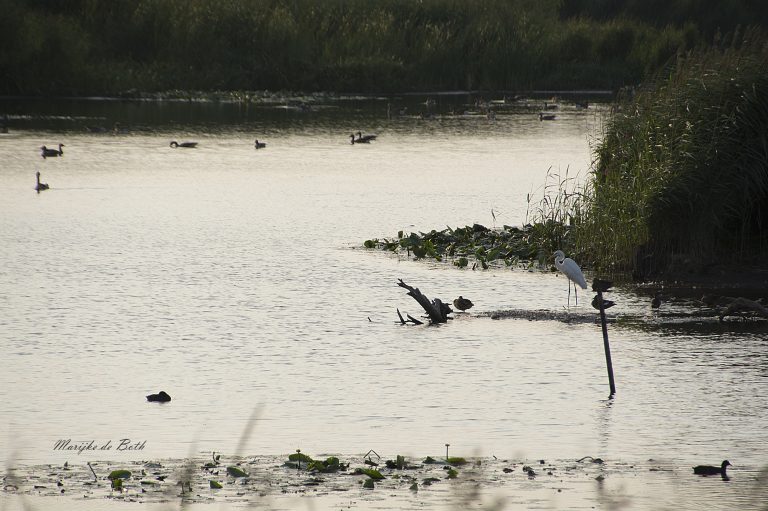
362, 139
546, 117
160, 397
709, 470
46, 152
259, 145
189, 145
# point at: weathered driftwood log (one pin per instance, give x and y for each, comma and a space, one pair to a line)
741, 306
410, 319
435, 309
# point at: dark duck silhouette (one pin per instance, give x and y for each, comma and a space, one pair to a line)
657, 299
462, 303
40, 186
188, 145
361, 139
259, 145
51, 153
160, 397
546, 117
709, 470
607, 304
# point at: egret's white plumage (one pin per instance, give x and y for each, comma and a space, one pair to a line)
572, 271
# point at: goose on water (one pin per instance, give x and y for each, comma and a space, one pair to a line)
709, 470
50, 153
175, 144
40, 186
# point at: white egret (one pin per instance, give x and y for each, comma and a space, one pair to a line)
572, 271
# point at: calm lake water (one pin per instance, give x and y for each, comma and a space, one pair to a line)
234, 279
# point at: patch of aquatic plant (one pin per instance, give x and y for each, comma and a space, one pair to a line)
370, 472
119, 474
681, 176
398, 463
330, 464
484, 247
236, 472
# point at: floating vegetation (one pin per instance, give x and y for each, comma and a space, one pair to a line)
236, 472
119, 474
506, 247
193, 483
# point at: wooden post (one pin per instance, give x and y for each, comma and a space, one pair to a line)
606, 345
599, 286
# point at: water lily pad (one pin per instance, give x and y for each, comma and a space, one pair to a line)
215, 485
119, 474
372, 473
236, 472
300, 457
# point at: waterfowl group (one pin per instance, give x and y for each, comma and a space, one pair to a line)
187, 145
40, 186
362, 139
50, 153
709, 470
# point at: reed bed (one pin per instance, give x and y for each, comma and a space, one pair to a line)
680, 179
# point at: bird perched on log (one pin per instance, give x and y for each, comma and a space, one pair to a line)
607, 304
462, 303
45, 152
709, 470
160, 397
